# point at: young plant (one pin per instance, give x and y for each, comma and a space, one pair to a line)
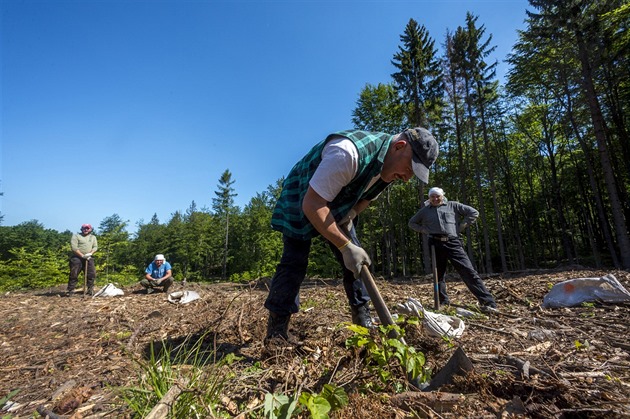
280, 406
4, 400
316, 405
388, 357
579, 346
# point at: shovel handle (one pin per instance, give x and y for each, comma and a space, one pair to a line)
436, 287
383, 312
379, 305
85, 268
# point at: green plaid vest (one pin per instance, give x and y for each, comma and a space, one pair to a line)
288, 217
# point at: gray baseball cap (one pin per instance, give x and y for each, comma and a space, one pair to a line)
425, 151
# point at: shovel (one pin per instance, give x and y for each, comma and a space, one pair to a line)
436, 288
379, 305
384, 315
85, 268
459, 363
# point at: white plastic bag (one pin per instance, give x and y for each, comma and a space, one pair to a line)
574, 292
109, 290
182, 297
439, 325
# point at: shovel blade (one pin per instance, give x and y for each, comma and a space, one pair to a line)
459, 364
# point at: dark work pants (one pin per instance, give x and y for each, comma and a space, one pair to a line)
166, 284
284, 293
77, 265
453, 251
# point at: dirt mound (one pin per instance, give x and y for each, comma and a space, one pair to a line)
68, 354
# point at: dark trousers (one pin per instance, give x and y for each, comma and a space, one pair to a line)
453, 251
166, 284
284, 293
77, 265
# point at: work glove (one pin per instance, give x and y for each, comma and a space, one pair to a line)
345, 224
87, 256
354, 257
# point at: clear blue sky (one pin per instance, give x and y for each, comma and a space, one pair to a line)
138, 107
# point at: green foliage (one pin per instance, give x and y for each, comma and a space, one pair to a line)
378, 109
321, 261
279, 406
259, 247
31, 270
113, 244
331, 398
31, 236
336, 396
5, 399
202, 382
127, 276
579, 346
316, 405
419, 76
388, 357
542, 161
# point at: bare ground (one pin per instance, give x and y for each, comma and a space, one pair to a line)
68, 355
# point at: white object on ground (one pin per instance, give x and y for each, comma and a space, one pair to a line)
439, 325
109, 290
182, 297
573, 292
464, 313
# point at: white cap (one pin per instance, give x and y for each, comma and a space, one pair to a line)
159, 257
436, 191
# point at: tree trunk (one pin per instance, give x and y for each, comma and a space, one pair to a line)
481, 206
621, 229
493, 189
588, 159
225, 250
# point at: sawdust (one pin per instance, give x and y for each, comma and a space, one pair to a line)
68, 355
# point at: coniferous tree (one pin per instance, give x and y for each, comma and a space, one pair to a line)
113, 242
223, 205
262, 247
479, 88
419, 76
420, 88
150, 239
578, 22
1, 214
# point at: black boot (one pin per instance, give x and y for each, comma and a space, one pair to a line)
361, 315
278, 331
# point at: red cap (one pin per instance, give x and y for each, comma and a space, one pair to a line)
88, 226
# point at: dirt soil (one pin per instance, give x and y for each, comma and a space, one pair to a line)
67, 355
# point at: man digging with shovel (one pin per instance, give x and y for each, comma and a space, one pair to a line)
322, 195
